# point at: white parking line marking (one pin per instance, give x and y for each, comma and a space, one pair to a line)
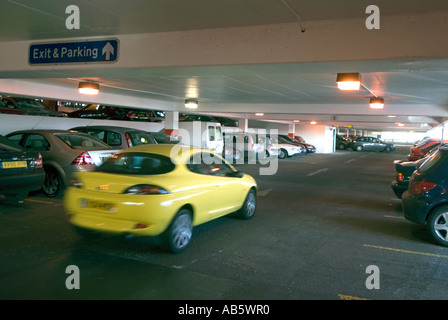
264, 192
351, 160
406, 251
317, 172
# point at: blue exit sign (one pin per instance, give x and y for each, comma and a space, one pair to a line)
94, 51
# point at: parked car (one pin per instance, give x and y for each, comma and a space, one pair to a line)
98, 111
370, 144
309, 148
247, 144
272, 146
341, 142
118, 137
63, 153
144, 191
403, 172
420, 150
9, 109
426, 200
123, 138
287, 149
21, 171
29, 106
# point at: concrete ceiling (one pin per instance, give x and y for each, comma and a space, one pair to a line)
284, 92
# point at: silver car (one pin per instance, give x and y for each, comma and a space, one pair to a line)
63, 152
123, 138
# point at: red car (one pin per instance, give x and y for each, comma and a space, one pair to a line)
421, 150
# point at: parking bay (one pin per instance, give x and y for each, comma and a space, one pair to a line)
322, 219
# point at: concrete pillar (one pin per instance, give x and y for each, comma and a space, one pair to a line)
172, 123
243, 124
291, 130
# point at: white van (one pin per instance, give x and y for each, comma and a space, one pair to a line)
206, 135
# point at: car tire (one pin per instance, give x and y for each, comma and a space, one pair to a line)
249, 207
438, 225
341, 146
283, 154
358, 148
179, 232
53, 183
387, 149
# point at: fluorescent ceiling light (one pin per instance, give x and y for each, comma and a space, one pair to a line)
348, 81
88, 88
376, 103
260, 114
191, 103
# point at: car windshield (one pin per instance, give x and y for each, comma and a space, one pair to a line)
283, 139
8, 145
140, 137
139, 163
81, 140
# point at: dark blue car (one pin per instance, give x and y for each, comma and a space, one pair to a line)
426, 200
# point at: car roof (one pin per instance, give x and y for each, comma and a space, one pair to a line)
45, 131
116, 128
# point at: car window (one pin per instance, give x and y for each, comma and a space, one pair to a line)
139, 138
208, 164
36, 142
139, 163
29, 103
211, 133
81, 140
112, 138
16, 138
8, 145
430, 162
164, 138
99, 134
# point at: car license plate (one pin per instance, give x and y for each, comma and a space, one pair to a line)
104, 158
13, 164
97, 205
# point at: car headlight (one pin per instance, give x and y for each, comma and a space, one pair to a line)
143, 189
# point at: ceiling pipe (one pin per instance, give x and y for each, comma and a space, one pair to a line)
299, 19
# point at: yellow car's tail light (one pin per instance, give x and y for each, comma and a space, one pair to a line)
143, 189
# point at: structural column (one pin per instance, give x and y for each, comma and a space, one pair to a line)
172, 123
291, 130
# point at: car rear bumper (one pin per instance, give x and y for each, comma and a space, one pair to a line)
399, 188
415, 209
29, 182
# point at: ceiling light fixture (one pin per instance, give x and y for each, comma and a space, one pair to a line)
352, 81
260, 114
191, 103
88, 87
376, 103
348, 81
313, 122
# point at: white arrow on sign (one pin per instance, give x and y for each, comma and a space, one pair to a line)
108, 50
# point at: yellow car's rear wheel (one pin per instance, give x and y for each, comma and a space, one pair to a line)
179, 233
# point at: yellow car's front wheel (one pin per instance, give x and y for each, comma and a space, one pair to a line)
247, 211
179, 233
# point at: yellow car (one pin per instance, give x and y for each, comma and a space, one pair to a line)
163, 189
